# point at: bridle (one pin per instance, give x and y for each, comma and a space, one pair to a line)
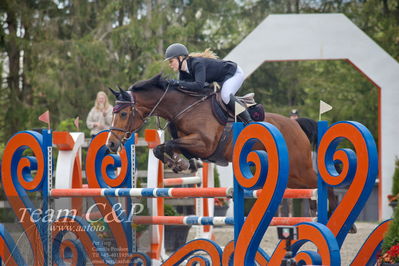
120, 105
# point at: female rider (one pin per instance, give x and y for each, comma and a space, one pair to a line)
196, 70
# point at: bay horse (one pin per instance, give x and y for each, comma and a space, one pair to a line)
198, 131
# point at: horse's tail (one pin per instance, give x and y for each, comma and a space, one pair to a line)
309, 126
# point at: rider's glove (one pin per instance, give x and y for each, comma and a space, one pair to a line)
173, 82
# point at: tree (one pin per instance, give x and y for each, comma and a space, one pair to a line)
57, 55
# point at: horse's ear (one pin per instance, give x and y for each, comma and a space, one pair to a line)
115, 93
125, 94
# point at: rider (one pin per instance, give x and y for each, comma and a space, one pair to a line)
195, 71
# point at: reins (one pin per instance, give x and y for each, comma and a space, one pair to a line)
191, 106
145, 119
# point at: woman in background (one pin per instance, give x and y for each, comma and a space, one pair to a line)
100, 116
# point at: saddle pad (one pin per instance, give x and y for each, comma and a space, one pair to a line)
257, 112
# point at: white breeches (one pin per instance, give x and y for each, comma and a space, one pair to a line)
232, 85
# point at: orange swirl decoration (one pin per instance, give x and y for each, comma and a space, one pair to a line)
100, 170
70, 251
213, 251
17, 179
358, 169
88, 243
320, 236
271, 174
100, 166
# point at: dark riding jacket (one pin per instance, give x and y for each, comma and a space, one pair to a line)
203, 70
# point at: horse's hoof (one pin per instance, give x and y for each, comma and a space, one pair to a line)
193, 166
176, 170
353, 229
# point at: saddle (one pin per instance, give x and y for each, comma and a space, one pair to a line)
223, 115
219, 110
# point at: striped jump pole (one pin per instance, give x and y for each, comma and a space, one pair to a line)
172, 193
145, 192
203, 178
198, 220
288, 194
182, 181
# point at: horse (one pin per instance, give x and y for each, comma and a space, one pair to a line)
198, 131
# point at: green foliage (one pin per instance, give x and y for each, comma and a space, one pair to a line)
2, 147
169, 210
391, 237
67, 125
7, 215
395, 179
141, 227
60, 54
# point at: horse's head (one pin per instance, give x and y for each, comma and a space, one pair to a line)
126, 120
132, 108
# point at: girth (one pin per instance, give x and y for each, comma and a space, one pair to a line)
217, 156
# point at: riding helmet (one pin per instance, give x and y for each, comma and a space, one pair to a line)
175, 50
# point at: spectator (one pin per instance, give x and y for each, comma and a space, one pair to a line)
100, 116
294, 114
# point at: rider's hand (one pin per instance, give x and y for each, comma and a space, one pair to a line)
173, 82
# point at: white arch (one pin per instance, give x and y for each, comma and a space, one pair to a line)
326, 37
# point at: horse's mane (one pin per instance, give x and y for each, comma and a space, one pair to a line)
156, 81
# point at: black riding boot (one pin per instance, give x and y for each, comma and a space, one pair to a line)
244, 116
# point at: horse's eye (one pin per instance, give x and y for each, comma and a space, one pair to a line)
123, 114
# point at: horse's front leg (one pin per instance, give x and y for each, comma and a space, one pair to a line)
164, 152
159, 152
166, 157
190, 143
168, 153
